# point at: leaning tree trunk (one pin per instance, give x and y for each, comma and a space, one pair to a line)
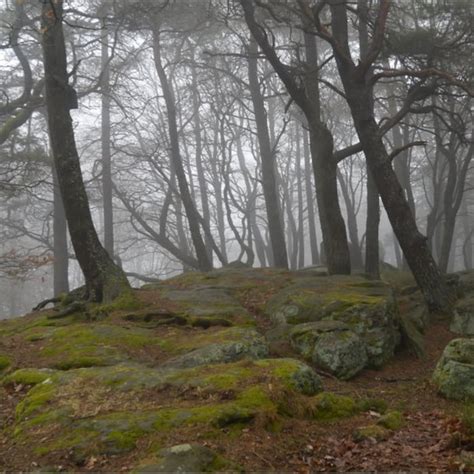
359, 95
104, 280
202, 255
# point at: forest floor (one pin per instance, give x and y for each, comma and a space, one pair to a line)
432, 437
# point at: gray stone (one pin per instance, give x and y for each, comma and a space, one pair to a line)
246, 343
367, 308
454, 373
303, 337
463, 318
342, 353
303, 378
332, 346
183, 458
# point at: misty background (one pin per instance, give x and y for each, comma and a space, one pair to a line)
216, 80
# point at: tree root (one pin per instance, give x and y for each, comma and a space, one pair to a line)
78, 294
44, 303
72, 308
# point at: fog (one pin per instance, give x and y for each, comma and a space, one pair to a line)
210, 132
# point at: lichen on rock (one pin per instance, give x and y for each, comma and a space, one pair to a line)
454, 373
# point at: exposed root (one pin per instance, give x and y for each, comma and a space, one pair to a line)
74, 307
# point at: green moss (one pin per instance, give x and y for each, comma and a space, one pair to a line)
87, 345
329, 406
373, 404
379, 433
28, 376
78, 360
467, 417
392, 420
4, 362
127, 301
35, 399
189, 279
123, 441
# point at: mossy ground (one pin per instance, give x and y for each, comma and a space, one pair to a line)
103, 403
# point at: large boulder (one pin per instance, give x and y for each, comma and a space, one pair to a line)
454, 374
367, 308
331, 346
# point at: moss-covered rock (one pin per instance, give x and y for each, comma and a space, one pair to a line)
392, 420
243, 343
108, 409
117, 432
5, 362
207, 303
463, 317
185, 458
294, 374
371, 432
28, 376
89, 345
329, 406
368, 308
332, 346
454, 373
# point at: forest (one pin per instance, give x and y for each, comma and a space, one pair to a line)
241, 235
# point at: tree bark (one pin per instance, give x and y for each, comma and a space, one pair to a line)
104, 280
299, 184
357, 261
313, 240
61, 257
202, 255
321, 143
359, 97
372, 257
105, 142
269, 183
206, 215
325, 171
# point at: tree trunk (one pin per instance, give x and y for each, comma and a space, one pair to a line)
104, 280
269, 183
105, 141
325, 172
206, 215
372, 257
202, 255
313, 241
299, 185
359, 94
355, 248
61, 257
467, 248
307, 98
